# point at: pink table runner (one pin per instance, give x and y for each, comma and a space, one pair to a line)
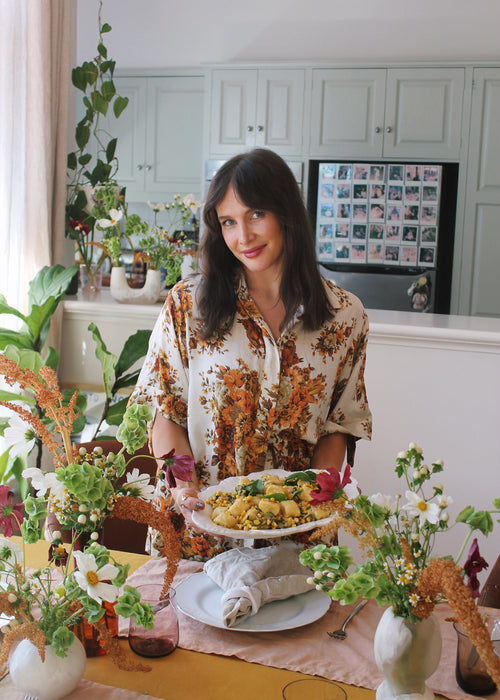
308, 649
86, 690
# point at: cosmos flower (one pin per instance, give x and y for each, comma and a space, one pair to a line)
418, 507
331, 481
19, 436
114, 217
383, 501
11, 514
474, 564
139, 485
91, 579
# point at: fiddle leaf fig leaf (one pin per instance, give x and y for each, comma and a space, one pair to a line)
134, 349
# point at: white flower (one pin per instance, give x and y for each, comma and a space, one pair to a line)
13, 555
19, 436
418, 507
156, 207
114, 217
383, 501
141, 483
189, 201
90, 578
43, 482
444, 501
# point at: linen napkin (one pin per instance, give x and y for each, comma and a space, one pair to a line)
253, 577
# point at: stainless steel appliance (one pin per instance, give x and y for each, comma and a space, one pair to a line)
385, 230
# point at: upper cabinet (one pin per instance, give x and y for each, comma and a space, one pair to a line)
387, 113
252, 108
160, 136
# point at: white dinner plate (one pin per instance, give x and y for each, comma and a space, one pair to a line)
200, 598
202, 519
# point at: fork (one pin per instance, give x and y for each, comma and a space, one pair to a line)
341, 633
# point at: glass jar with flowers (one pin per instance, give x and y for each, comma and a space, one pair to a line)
83, 491
397, 537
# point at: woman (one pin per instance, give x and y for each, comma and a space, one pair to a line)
257, 362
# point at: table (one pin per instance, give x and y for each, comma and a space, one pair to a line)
187, 674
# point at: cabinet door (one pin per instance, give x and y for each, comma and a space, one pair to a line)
174, 136
481, 250
424, 113
347, 115
232, 117
280, 109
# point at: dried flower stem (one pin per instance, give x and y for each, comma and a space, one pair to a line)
444, 576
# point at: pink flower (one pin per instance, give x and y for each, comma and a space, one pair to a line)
11, 515
177, 467
474, 564
331, 483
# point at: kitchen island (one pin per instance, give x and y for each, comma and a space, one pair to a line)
431, 379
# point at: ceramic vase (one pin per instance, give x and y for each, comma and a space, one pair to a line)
51, 679
407, 653
124, 294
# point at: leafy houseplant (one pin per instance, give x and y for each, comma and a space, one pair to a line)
94, 79
397, 537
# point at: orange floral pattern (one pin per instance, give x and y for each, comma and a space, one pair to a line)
250, 402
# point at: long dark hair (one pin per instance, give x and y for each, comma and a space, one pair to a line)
261, 180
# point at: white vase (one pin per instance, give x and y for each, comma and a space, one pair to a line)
51, 679
407, 653
123, 293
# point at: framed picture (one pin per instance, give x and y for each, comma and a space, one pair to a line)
360, 171
393, 233
375, 253
358, 252
359, 232
396, 173
410, 234
341, 230
342, 252
360, 192
376, 232
428, 235
426, 256
391, 254
408, 255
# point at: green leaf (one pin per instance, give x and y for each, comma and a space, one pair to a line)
26, 358
108, 66
52, 359
102, 50
79, 78
100, 104
119, 105
496, 503
71, 161
134, 349
7, 309
100, 173
108, 90
16, 338
254, 487
84, 159
11, 396
115, 412
275, 496
308, 476
110, 150
107, 360
105, 28
82, 135
90, 71
465, 514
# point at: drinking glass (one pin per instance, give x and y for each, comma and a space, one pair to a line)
164, 637
470, 671
317, 688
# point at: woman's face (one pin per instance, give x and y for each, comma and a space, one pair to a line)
253, 236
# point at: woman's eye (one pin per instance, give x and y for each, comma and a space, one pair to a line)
227, 222
258, 214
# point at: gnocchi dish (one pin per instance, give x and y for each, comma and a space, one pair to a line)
267, 503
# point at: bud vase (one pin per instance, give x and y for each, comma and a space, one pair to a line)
124, 294
407, 653
90, 278
52, 679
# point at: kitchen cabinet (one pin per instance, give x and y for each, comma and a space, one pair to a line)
252, 108
481, 246
389, 113
160, 136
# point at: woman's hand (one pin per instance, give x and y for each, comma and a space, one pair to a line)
188, 501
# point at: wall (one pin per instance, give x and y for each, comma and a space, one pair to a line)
159, 33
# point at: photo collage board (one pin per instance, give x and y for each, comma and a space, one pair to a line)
378, 213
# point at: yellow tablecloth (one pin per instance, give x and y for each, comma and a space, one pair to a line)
187, 674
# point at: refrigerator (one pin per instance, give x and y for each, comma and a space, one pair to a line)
385, 230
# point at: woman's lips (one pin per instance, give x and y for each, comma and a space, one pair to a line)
253, 252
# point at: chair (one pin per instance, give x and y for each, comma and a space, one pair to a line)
490, 594
123, 535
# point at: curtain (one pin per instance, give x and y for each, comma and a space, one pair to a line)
35, 41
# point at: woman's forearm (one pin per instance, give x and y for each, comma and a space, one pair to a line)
329, 451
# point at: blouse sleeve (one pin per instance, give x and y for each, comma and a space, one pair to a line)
349, 412
163, 381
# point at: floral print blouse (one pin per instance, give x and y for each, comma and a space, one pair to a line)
250, 402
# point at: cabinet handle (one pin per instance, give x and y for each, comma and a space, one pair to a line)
389, 129
377, 130
140, 167
148, 167
260, 128
249, 128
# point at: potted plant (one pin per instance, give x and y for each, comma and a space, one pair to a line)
86, 171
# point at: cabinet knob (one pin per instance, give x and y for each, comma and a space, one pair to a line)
377, 130
260, 128
140, 167
389, 129
148, 167
249, 128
